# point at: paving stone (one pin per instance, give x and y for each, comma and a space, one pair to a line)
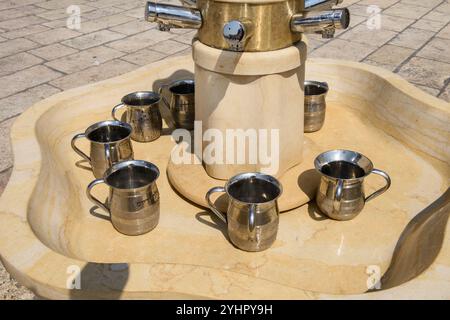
19, 33
19, 23
430, 73
57, 4
131, 4
53, 51
140, 40
438, 16
17, 62
343, 49
133, 27
405, 10
62, 13
99, 13
444, 33
359, 10
430, 25
436, 49
362, 34
18, 103
106, 3
445, 95
444, 7
432, 91
412, 38
168, 47
25, 79
186, 37
390, 57
104, 23
102, 72
4, 178
93, 39
12, 14
84, 59
58, 23
16, 46
6, 157
54, 35
395, 23
137, 13
421, 3
144, 57
16, 3
380, 3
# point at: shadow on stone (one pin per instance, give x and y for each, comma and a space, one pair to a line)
100, 281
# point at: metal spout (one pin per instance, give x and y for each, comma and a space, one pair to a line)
169, 16
324, 22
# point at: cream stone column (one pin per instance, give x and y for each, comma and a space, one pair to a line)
251, 90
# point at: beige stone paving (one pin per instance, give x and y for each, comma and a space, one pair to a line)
40, 56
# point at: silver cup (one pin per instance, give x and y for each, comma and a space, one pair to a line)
252, 215
341, 191
133, 201
182, 102
315, 105
142, 113
109, 143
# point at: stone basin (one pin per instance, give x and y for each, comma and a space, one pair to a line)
49, 231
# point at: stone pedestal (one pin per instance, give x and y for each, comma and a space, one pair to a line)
255, 98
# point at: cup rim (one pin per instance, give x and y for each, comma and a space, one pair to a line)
322, 85
136, 93
259, 175
356, 155
182, 81
123, 164
100, 124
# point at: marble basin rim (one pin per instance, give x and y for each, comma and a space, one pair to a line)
44, 241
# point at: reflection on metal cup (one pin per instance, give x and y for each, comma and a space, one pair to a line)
142, 113
133, 201
315, 105
252, 216
182, 102
109, 143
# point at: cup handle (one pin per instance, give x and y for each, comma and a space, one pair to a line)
115, 109
165, 102
252, 220
75, 148
211, 205
338, 195
381, 190
93, 199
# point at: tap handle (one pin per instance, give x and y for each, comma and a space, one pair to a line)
236, 33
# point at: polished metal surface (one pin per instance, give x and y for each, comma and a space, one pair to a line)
241, 26
109, 143
269, 24
324, 22
142, 113
315, 105
182, 102
341, 190
133, 201
170, 16
252, 215
236, 33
